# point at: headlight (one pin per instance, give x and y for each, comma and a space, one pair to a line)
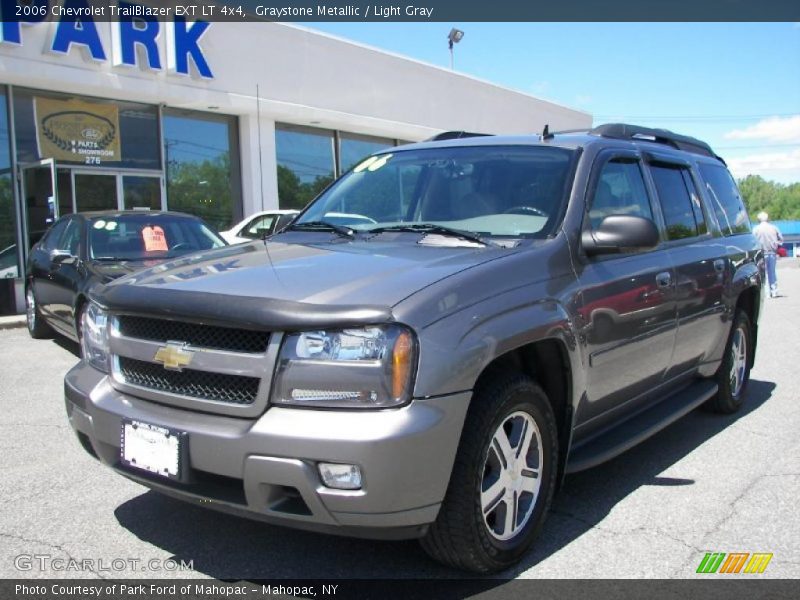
94, 337
371, 367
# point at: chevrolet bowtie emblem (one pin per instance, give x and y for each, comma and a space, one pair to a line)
174, 356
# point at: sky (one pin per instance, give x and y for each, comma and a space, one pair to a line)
733, 85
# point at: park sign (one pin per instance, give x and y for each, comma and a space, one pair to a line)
132, 26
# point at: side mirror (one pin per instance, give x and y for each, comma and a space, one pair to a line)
58, 257
620, 233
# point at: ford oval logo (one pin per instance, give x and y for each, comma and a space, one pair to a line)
90, 134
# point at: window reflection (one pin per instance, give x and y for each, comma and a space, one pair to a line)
305, 164
202, 162
8, 247
353, 148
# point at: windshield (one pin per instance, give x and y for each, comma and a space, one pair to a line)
144, 237
513, 191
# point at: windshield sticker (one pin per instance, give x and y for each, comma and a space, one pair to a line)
154, 239
99, 224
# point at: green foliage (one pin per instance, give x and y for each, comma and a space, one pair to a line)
780, 201
202, 189
292, 193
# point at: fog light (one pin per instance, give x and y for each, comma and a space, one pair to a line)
340, 477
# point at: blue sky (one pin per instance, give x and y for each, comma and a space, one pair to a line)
734, 85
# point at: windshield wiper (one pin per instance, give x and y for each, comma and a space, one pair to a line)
433, 228
321, 226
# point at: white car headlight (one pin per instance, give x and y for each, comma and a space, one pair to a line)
372, 367
94, 337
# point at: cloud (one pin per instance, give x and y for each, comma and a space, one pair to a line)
773, 129
781, 166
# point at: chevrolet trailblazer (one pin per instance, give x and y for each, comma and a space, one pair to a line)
500, 311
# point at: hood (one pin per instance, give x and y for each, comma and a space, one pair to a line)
107, 271
300, 278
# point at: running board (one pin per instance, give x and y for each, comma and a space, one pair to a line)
638, 428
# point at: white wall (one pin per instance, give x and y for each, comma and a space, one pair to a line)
304, 78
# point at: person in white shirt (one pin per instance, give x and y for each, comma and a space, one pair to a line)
770, 239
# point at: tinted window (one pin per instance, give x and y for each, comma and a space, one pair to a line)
620, 191
139, 237
53, 236
71, 238
8, 234
726, 200
305, 164
355, 148
119, 134
676, 203
202, 158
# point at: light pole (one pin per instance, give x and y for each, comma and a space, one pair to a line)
453, 37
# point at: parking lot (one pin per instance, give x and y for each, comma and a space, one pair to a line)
706, 484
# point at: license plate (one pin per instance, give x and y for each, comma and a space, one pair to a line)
152, 448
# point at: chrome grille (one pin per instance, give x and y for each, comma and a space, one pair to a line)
199, 336
233, 389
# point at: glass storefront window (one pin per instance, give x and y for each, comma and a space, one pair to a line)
306, 164
202, 157
9, 267
141, 192
85, 131
353, 148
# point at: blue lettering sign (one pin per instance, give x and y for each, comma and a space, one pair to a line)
138, 30
78, 31
186, 43
10, 21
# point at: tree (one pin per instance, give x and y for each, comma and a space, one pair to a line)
781, 201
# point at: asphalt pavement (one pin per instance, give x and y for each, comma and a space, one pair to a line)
707, 483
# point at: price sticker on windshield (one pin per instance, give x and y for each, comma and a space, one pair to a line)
154, 239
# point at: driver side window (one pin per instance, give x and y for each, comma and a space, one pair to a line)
620, 190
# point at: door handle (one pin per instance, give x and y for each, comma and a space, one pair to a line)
719, 265
663, 279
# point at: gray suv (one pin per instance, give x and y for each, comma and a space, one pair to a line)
435, 341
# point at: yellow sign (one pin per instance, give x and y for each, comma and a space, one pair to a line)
174, 356
77, 131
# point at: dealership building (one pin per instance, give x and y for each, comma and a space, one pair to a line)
215, 119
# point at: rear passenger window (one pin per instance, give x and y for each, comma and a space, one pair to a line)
680, 204
620, 191
725, 197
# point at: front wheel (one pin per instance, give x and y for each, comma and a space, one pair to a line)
502, 481
36, 325
734, 372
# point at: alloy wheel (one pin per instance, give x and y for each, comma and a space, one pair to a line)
511, 476
738, 361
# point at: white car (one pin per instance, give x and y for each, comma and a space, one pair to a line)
258, 225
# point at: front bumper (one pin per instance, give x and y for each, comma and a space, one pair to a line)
265, 468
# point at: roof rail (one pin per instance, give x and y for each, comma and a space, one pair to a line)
455, 135
623, 131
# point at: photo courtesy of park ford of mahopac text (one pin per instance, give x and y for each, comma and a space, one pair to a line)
421, 299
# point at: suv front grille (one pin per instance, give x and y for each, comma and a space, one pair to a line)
233, 389
199, 336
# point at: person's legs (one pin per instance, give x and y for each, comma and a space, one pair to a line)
772, 276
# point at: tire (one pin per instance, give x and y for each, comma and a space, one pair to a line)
36, 325
462, 537
733, 374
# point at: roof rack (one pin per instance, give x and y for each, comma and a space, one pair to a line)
455, 135
623, 131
